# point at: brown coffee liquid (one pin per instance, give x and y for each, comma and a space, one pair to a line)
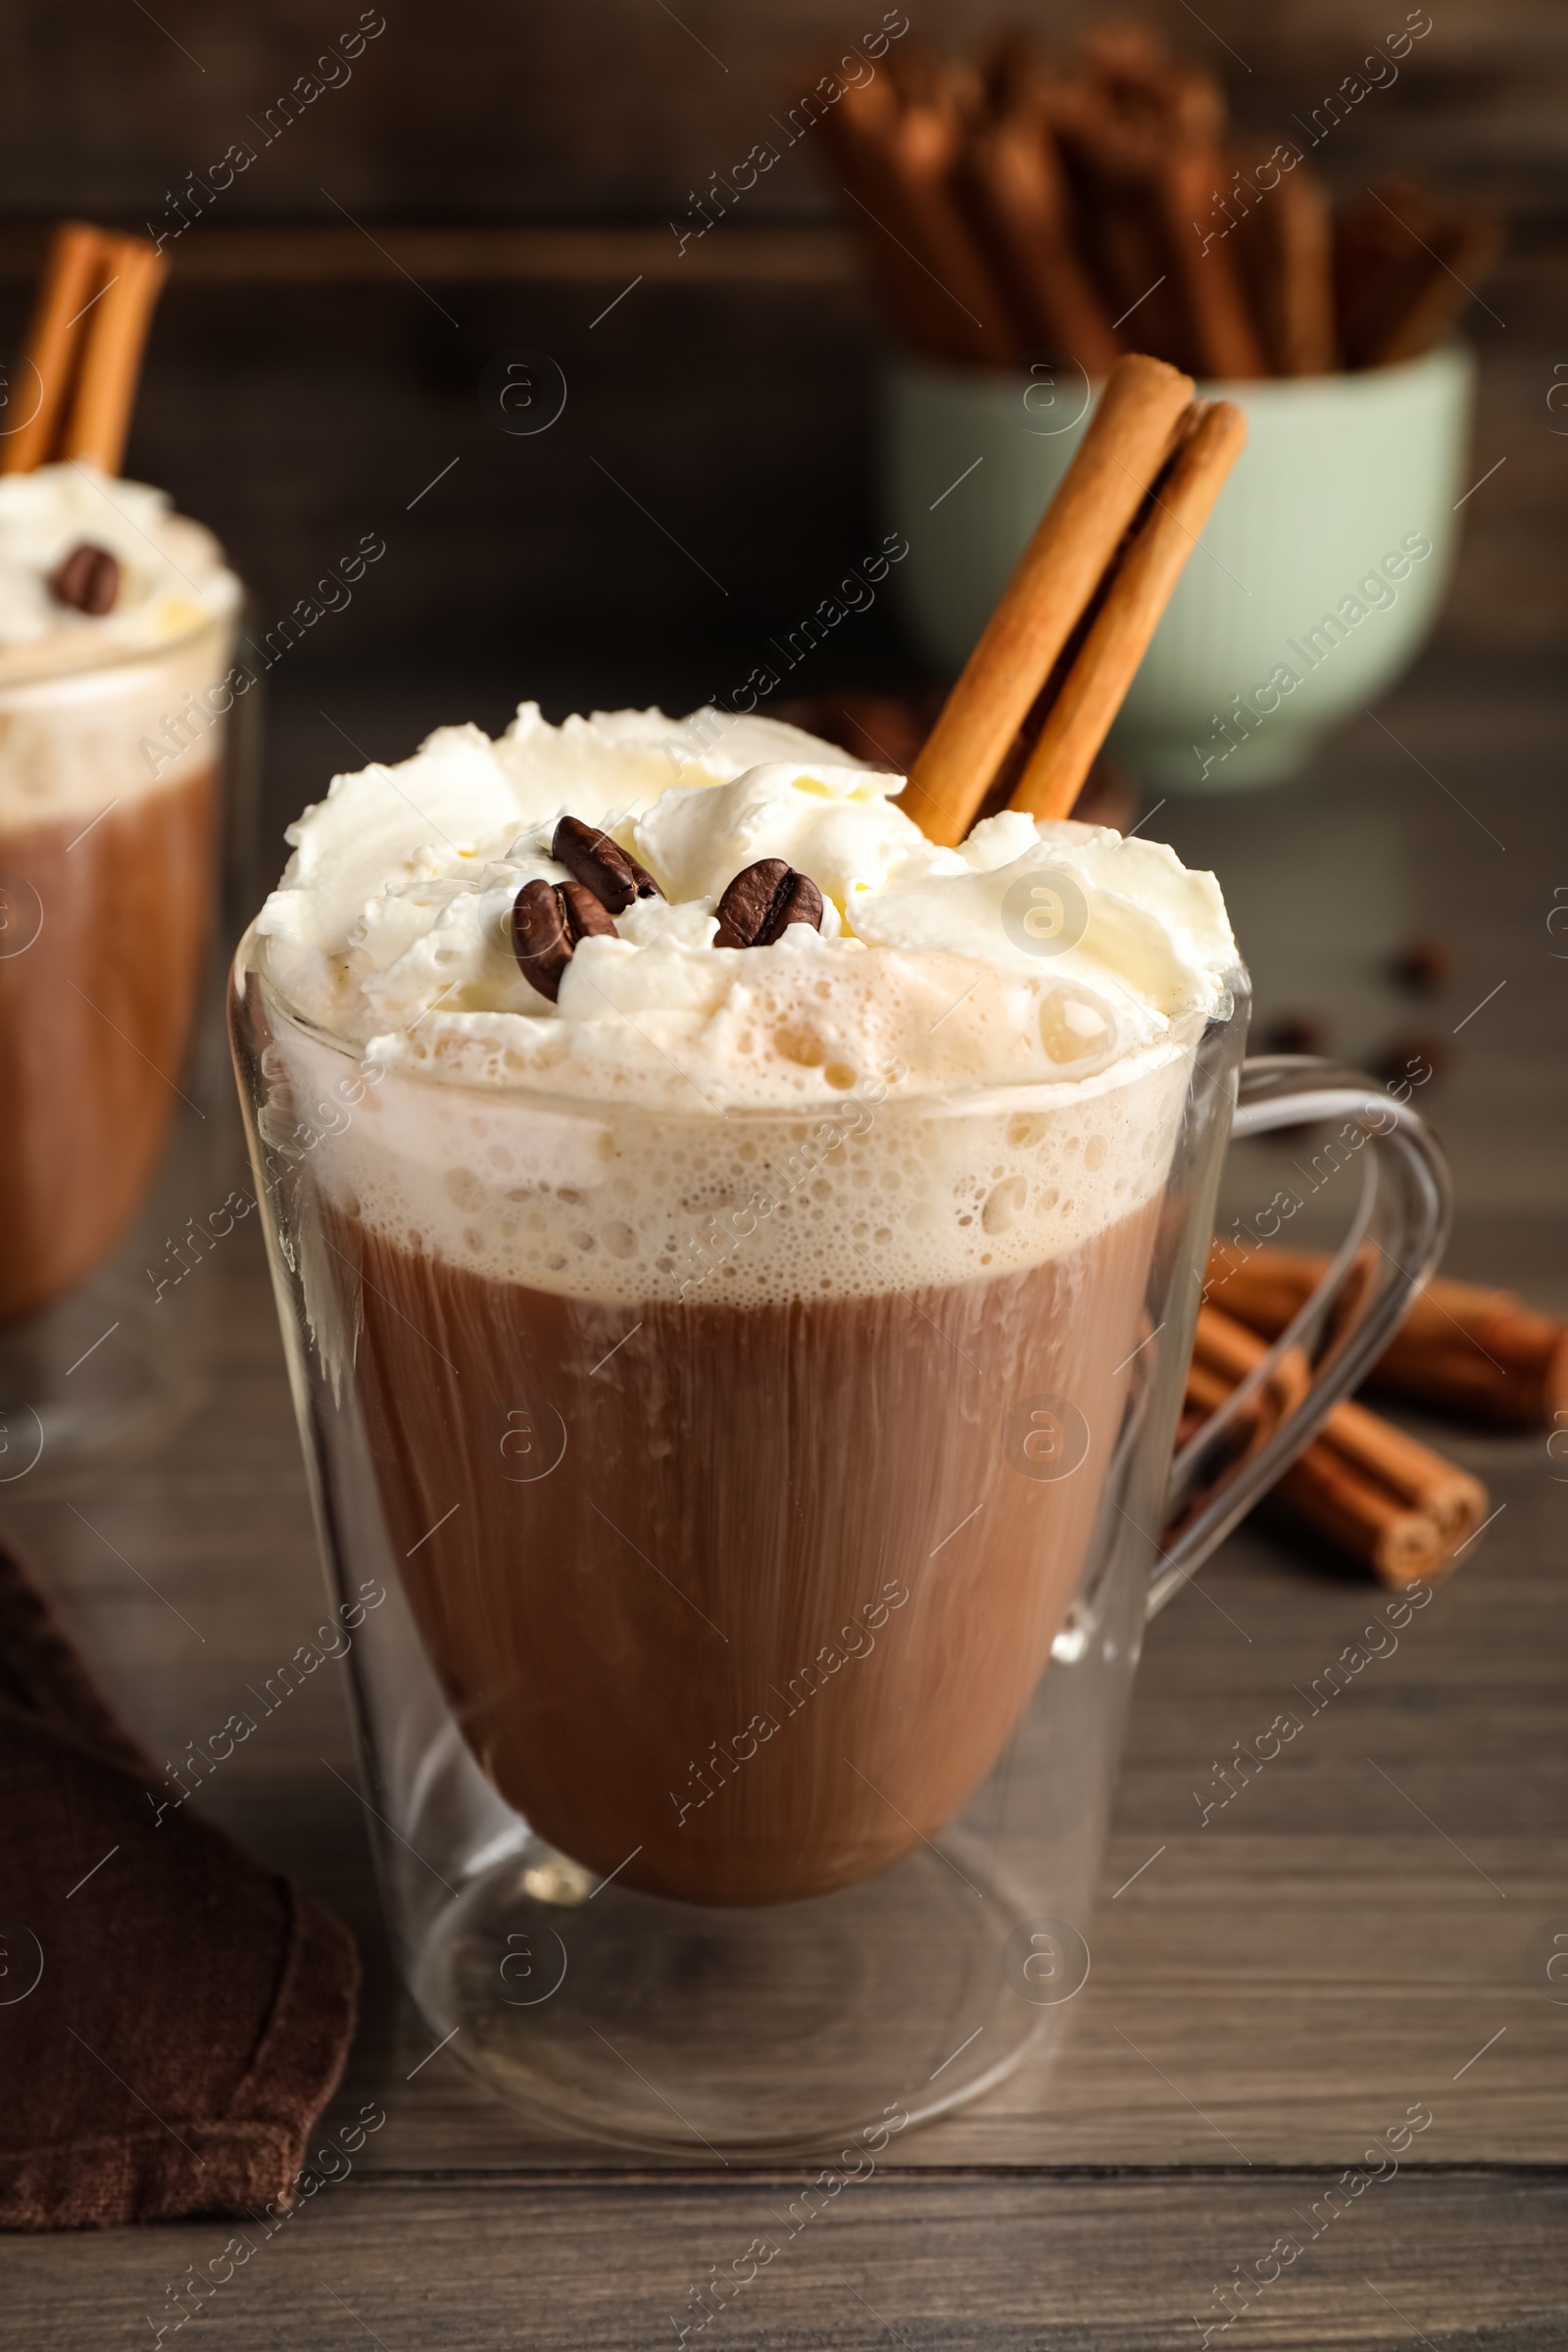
774, 1612
95, 1019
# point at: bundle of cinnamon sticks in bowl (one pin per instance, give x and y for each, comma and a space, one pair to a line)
1017, 208
1026, 223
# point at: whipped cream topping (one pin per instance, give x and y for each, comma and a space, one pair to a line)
172, 572
1035, 954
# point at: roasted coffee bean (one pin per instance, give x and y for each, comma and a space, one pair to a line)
1411, 1060
1423, 966
602, 866
87, 579
1297, 1033
761, 903
548, 918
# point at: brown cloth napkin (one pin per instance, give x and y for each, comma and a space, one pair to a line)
173, 2018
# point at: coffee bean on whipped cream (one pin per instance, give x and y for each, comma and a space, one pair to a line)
87, 579
763, 902
547, 921
602, 866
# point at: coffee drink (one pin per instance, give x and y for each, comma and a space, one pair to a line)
741, 1332
732, 1653
115, 619
95, 1019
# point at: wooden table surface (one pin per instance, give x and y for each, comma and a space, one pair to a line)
1269, 1990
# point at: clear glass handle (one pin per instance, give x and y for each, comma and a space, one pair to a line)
1394, 1244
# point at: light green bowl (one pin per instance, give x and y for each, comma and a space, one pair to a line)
1306, 594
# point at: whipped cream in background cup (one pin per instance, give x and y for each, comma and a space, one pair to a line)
112, 822
745, 1387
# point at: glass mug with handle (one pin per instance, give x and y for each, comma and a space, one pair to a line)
741, 1666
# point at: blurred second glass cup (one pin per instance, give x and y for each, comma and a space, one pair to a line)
114, 804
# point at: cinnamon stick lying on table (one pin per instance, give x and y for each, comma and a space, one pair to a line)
1482, 1354
1391, 1502
1211, 1378
1097, 500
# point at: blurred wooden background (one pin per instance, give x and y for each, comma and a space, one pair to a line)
710, 475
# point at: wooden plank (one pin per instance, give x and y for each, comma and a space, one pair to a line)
482, 106
1094, 2265
332, 253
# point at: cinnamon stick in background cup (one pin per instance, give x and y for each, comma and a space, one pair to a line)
1285, 250
910, 227
1228, 269
923, 156
1112, 165
1104, 207
105, 388
73, 273
1407, 266
116, 613
858, 132
1225, 344
1018, 190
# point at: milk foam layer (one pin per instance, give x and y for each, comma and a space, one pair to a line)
979, 1062
873, 1196
85, 700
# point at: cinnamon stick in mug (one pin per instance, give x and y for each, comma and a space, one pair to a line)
1080, 716
1128, 440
